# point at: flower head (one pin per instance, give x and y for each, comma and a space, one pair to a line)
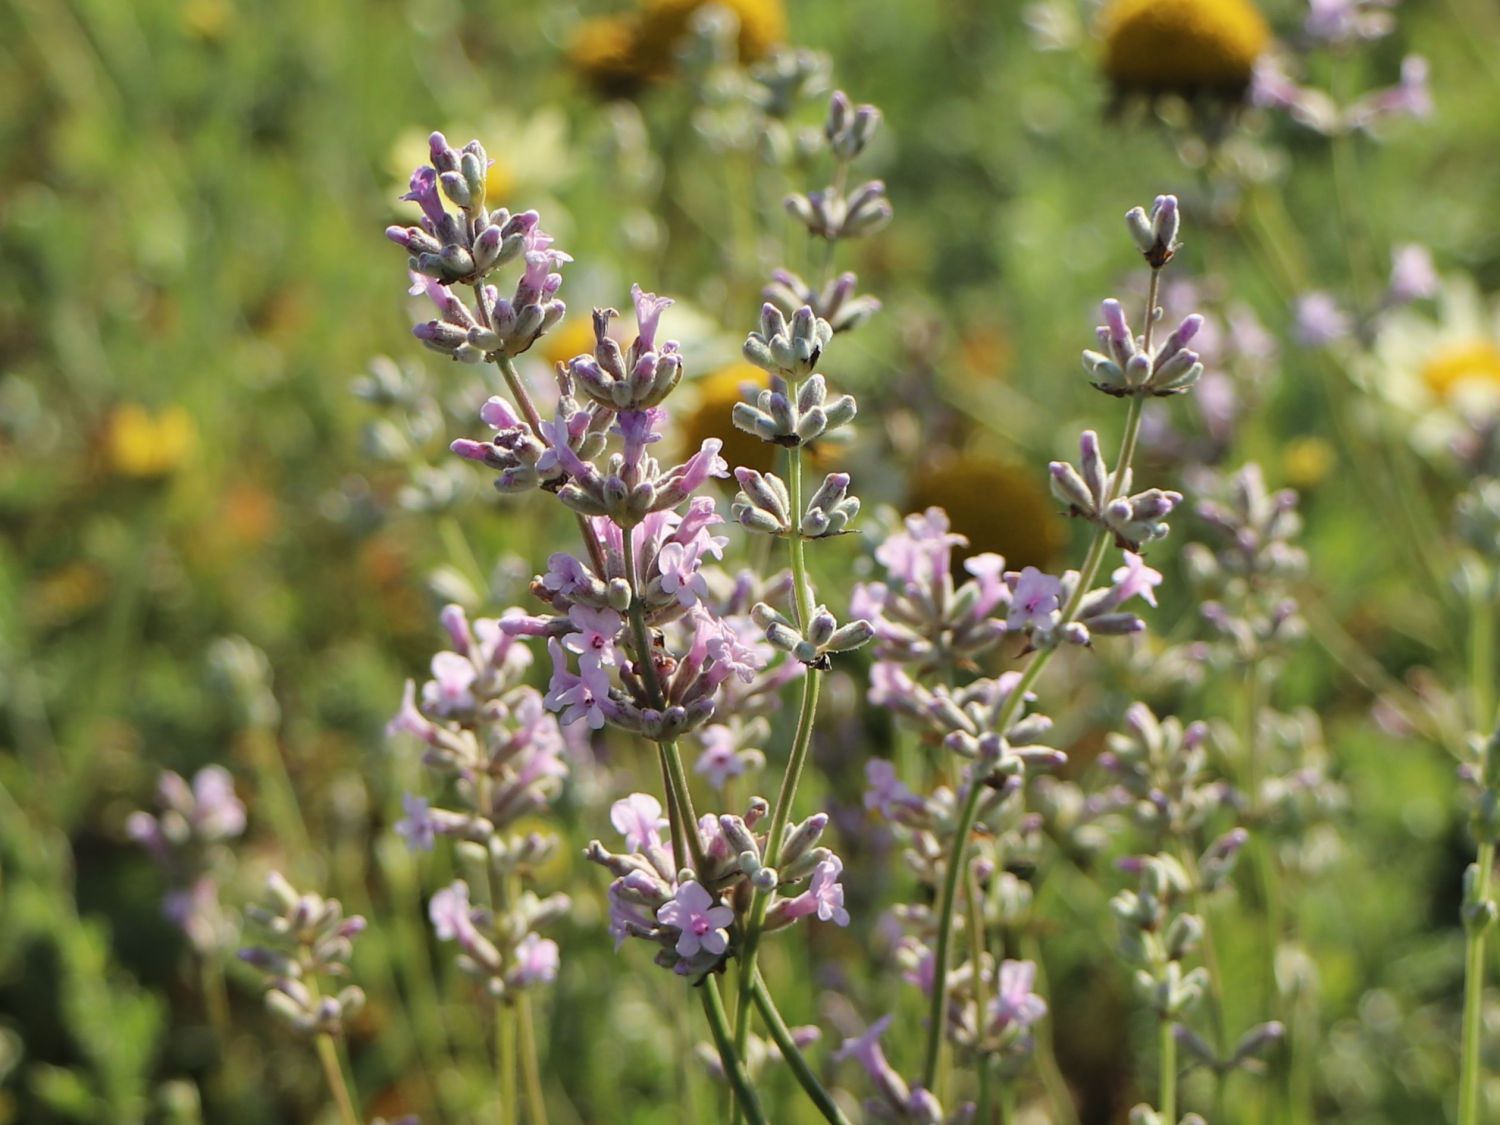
700, 918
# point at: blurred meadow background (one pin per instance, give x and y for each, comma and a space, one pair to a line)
228, 518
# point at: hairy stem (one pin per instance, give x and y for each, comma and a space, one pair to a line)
531, 1070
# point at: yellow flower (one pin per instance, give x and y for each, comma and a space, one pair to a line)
1468, 361
717, 394
1442, 374
574, 338
141, 444
762, 24
603, 52
996, 505
617, 55
1306, 461
1188, 47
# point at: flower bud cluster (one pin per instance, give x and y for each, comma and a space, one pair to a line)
834, 213
813, 644
1245, 585
689, 914
1156, 938
186, 838
451, 248
834, 303
639, 378
497, 946
1125, 367
1091, 493
304, 936
1162, 767
764, 505
1155, 234
922, 618
787, 418
496, 753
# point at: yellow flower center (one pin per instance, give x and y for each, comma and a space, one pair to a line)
1187, 46
1474, 361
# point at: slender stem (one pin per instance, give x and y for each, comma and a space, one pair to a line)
759, 899
505, 1061
1468, 1081
333, 1073
531, 1070
793, 1055
1168, 1106
1004, 713
734, 1069
519, 392
976, 954
1482, 652
796, 760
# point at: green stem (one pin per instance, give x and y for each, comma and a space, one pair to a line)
1168, 1100
792, 777
1001, 722
976, 954
338, 1085
505, 1061
793, 1056
734, 1069
531, 1070
1482, 652
1468, 1081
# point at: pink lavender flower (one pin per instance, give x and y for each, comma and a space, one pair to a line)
1135, 578
1015, 1004
448, 692
1343, 21
1410, 97
1413, 276
638, 818
409, 720
700, 918
594, 636
417, 828
887, 792
576, 696
722, 757
1320, 321
824, 896
536, 961
450, 914
1034, 601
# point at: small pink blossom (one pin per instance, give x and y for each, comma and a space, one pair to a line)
1034, 601
824, 896
1135, 578
701, 919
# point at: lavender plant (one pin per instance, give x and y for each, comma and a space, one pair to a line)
304, 937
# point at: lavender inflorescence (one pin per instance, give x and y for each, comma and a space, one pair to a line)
304, 936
